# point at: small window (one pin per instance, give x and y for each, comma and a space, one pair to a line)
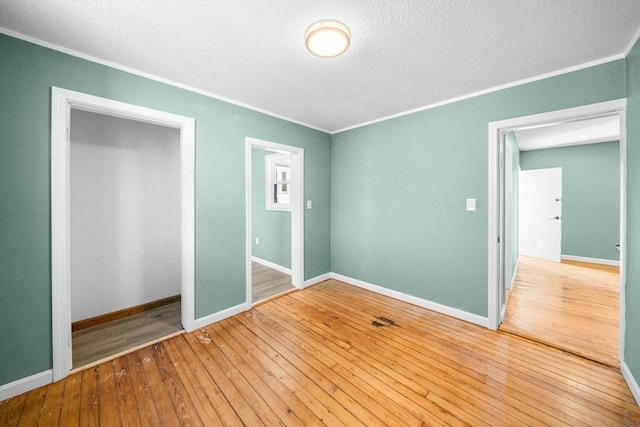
278, 180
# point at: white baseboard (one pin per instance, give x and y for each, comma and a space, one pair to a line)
591, 260
316, 280
631, 381
449, 311
220, 315
270, 264
26, 384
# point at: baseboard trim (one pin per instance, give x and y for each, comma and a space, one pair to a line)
26, 384
590, 260
220, 315
434, 306
631, 381
270, 264
316, 280
121, 314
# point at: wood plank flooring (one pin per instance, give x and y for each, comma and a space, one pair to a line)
98, 342
267, 282
336, 355
570, 305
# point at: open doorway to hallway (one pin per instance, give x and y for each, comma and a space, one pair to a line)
274, 174
575, 302
566, 290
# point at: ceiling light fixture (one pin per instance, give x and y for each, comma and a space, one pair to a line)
327, 38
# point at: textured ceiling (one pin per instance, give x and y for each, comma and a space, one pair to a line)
405, 54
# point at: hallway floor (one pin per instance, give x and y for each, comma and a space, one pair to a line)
570, 305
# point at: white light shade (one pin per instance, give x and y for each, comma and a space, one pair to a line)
327, 38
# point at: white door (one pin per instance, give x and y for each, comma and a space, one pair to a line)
540, 213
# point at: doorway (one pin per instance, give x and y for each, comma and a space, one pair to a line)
63, 103
124, 186
496, 206
274, 219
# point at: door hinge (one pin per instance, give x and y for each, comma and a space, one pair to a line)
67, 134
498, 239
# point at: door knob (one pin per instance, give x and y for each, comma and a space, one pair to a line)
555, 217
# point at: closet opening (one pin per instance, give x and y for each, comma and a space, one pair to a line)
122, 228
124, 234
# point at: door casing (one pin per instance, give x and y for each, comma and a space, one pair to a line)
615, 107
297, 211
62, 102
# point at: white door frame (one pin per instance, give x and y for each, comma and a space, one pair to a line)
62, 101
619, 107
297, 211
508, 210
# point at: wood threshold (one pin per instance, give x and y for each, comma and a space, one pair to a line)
281, 294
125, 352
121, 314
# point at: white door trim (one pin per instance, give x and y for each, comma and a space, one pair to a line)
508, 211
619, 107
62, 101
297, 211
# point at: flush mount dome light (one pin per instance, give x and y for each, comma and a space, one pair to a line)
327, 38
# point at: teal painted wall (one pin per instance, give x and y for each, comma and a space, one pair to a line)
395, 190
273, 228
398, 188
632, 298
27, 73
590, 196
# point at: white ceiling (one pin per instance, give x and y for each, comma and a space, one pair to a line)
404, 55
587, 131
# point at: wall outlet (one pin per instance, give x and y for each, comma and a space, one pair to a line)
257, 240
471, 204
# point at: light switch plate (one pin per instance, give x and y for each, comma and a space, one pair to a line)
309, 204
471, 204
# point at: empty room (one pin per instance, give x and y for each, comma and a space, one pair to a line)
359, 212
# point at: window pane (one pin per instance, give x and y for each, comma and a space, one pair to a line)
280, 196
282, 172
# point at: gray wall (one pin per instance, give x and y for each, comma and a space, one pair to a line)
125, 214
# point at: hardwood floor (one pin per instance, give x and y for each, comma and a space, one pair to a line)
334, 354
267, 282
570, 305
98, 342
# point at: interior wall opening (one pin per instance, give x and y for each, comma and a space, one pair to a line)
99, 208
270, 224
274, 219
590, 260
125, 237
